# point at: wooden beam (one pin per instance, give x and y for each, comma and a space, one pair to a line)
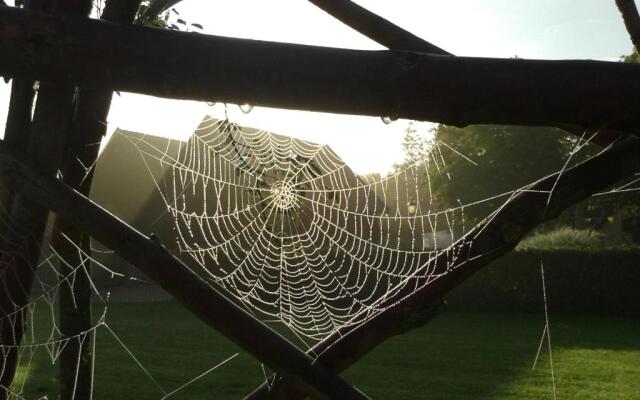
631, 20
152, 258
417, 304
76, 359
45, 146
16, 136
86, 132
18, 125
376, 28
16, 132
452, 90
27, 221
394, 37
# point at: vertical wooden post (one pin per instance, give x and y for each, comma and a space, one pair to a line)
45, 146
76, 359
27, 222
87, 130
16, 135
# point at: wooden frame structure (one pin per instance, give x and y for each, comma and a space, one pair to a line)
80, 62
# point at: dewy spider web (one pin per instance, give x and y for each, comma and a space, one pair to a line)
285, 227
295, 236
290, 231
39, 316
44, 339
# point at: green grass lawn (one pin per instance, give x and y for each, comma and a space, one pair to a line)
456, 356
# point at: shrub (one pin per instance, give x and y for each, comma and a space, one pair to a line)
570, 239
578, 282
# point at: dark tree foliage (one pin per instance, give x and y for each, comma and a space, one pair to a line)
497, 159
633, 57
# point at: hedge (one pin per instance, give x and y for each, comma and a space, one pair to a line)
604, 282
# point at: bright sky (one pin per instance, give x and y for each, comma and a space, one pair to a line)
552, 29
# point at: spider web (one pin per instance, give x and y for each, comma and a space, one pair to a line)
284, 226
291, 232
44, 339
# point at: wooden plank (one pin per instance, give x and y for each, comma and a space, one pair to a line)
452, 90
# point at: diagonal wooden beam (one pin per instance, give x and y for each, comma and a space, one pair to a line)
418, 303
192, 291
452, 90
631, 19
376, 28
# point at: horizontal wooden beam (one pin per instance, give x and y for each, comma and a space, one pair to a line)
452, 90
418, 303
176, 278
394, 37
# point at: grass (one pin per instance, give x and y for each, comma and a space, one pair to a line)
567, 238
457, 356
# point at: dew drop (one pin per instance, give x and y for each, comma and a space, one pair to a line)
246, 108
389, 119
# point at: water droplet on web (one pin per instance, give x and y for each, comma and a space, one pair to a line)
246, 108
389, 119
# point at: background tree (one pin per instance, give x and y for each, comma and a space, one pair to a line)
484, 161
633, 57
